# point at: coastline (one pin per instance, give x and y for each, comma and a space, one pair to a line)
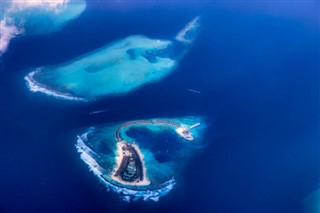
125, 193
119, 158
34, 86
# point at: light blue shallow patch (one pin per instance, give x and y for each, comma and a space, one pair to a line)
43, 17
312, 202
115, 69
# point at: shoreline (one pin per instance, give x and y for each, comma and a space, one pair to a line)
35, 86
125, 193
119, 158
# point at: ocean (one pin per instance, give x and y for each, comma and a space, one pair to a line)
256, 67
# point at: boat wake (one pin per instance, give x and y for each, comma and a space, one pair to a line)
194, 91
99, 111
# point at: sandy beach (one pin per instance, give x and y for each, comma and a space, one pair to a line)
119, 158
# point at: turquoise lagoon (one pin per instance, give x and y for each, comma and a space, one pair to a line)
115, 69
165, 153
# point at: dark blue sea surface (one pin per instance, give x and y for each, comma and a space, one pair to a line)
163, 145
257, 68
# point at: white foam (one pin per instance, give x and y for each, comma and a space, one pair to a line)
15, 16
192, 26
8, 32
126, 194
34, 86
56, 5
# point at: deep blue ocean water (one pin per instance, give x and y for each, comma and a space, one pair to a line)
163, 145
257, 67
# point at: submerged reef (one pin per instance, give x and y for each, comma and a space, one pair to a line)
141, 159
312, 202
30, 17
115, 69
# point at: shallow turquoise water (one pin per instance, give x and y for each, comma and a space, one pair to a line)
114, 69
98, 149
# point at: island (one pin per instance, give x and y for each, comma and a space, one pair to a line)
130, 167
141, 158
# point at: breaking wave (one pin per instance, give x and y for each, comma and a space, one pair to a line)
87, 155
35, 86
